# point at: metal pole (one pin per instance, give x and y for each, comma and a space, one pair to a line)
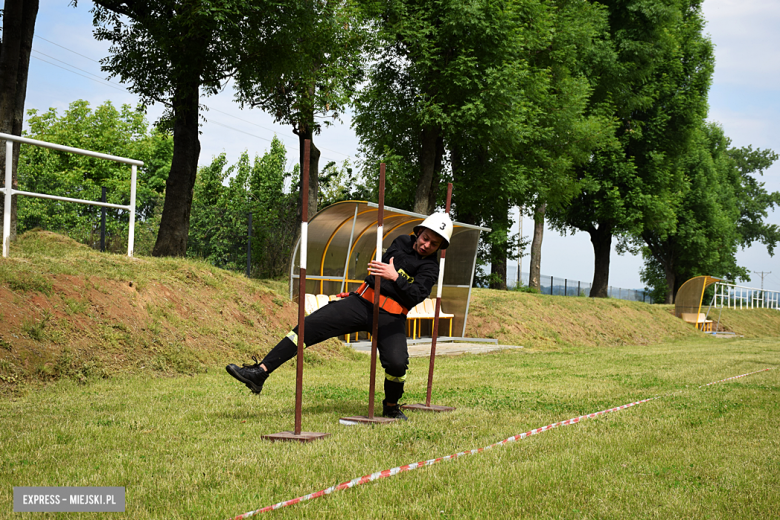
519, 253
551, 286
297, 435
249, 245
377, 286
103, 221
131, 226
565, 286
302, 285
437, 310
9, 161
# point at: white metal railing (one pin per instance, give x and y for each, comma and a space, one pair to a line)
8, 190
733, 296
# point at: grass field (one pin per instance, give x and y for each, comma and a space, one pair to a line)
189, 446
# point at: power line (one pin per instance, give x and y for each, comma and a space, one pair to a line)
82, 75
270, 130
125, 90
69, 65
762, 274
253, 135
69, 50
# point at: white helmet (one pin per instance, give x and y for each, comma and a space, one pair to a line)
440, 224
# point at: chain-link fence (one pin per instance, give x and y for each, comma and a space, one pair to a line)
567, 287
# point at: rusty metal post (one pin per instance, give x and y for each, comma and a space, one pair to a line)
428, 407
375, 328
298, 435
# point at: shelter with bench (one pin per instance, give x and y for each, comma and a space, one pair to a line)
687, 304
342, 240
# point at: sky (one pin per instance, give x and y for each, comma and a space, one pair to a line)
744, 99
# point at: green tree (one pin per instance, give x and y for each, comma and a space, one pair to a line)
167, 51
171, 51
225, 195
723, 208
566, 132
314, 85
656, 90
448, 74
341, 183
122, 132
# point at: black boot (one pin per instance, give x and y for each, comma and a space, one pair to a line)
253, 376
393, 412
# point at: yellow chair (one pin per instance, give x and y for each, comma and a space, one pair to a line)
426, 310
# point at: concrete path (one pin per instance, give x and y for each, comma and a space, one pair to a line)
442, 348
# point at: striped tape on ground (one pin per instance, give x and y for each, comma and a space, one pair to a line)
416, 465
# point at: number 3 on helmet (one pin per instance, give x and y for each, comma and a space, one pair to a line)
440, 224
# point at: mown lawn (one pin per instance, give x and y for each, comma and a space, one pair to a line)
189, 447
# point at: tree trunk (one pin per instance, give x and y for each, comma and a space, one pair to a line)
663, 252
670, 281
314, 173
498, 275
534, 277
305, 130
499, 244
431, 153
601, 239
175, 222
18, 30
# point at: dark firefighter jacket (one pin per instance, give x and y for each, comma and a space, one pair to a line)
416, 275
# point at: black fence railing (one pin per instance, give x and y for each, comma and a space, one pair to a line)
568, 287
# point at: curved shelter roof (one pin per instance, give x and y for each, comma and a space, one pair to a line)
690, 294
342, 240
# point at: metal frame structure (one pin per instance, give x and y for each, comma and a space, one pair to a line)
8, 190
345, 227
731, 296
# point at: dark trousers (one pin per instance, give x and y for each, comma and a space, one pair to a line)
350, 315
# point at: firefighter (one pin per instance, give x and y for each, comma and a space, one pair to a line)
409, 269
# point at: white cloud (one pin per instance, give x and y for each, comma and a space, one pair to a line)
746, 39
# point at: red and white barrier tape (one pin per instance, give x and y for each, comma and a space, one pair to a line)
735, 377
416, 465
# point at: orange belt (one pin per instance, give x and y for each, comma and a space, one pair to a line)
386, 303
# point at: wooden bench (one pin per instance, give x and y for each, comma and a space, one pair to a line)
700, 320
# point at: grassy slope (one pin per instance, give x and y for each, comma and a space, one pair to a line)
543, 321
69, 311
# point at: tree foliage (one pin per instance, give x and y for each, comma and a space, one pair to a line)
314, 79
656, 90
446, 72
723, 208
224, 197
124, 133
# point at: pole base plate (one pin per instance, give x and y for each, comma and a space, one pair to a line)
291, 436
431, 408
363, 419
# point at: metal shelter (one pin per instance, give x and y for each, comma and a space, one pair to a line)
342, 240
689, 295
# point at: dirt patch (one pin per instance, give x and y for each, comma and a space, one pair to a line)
123, 315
